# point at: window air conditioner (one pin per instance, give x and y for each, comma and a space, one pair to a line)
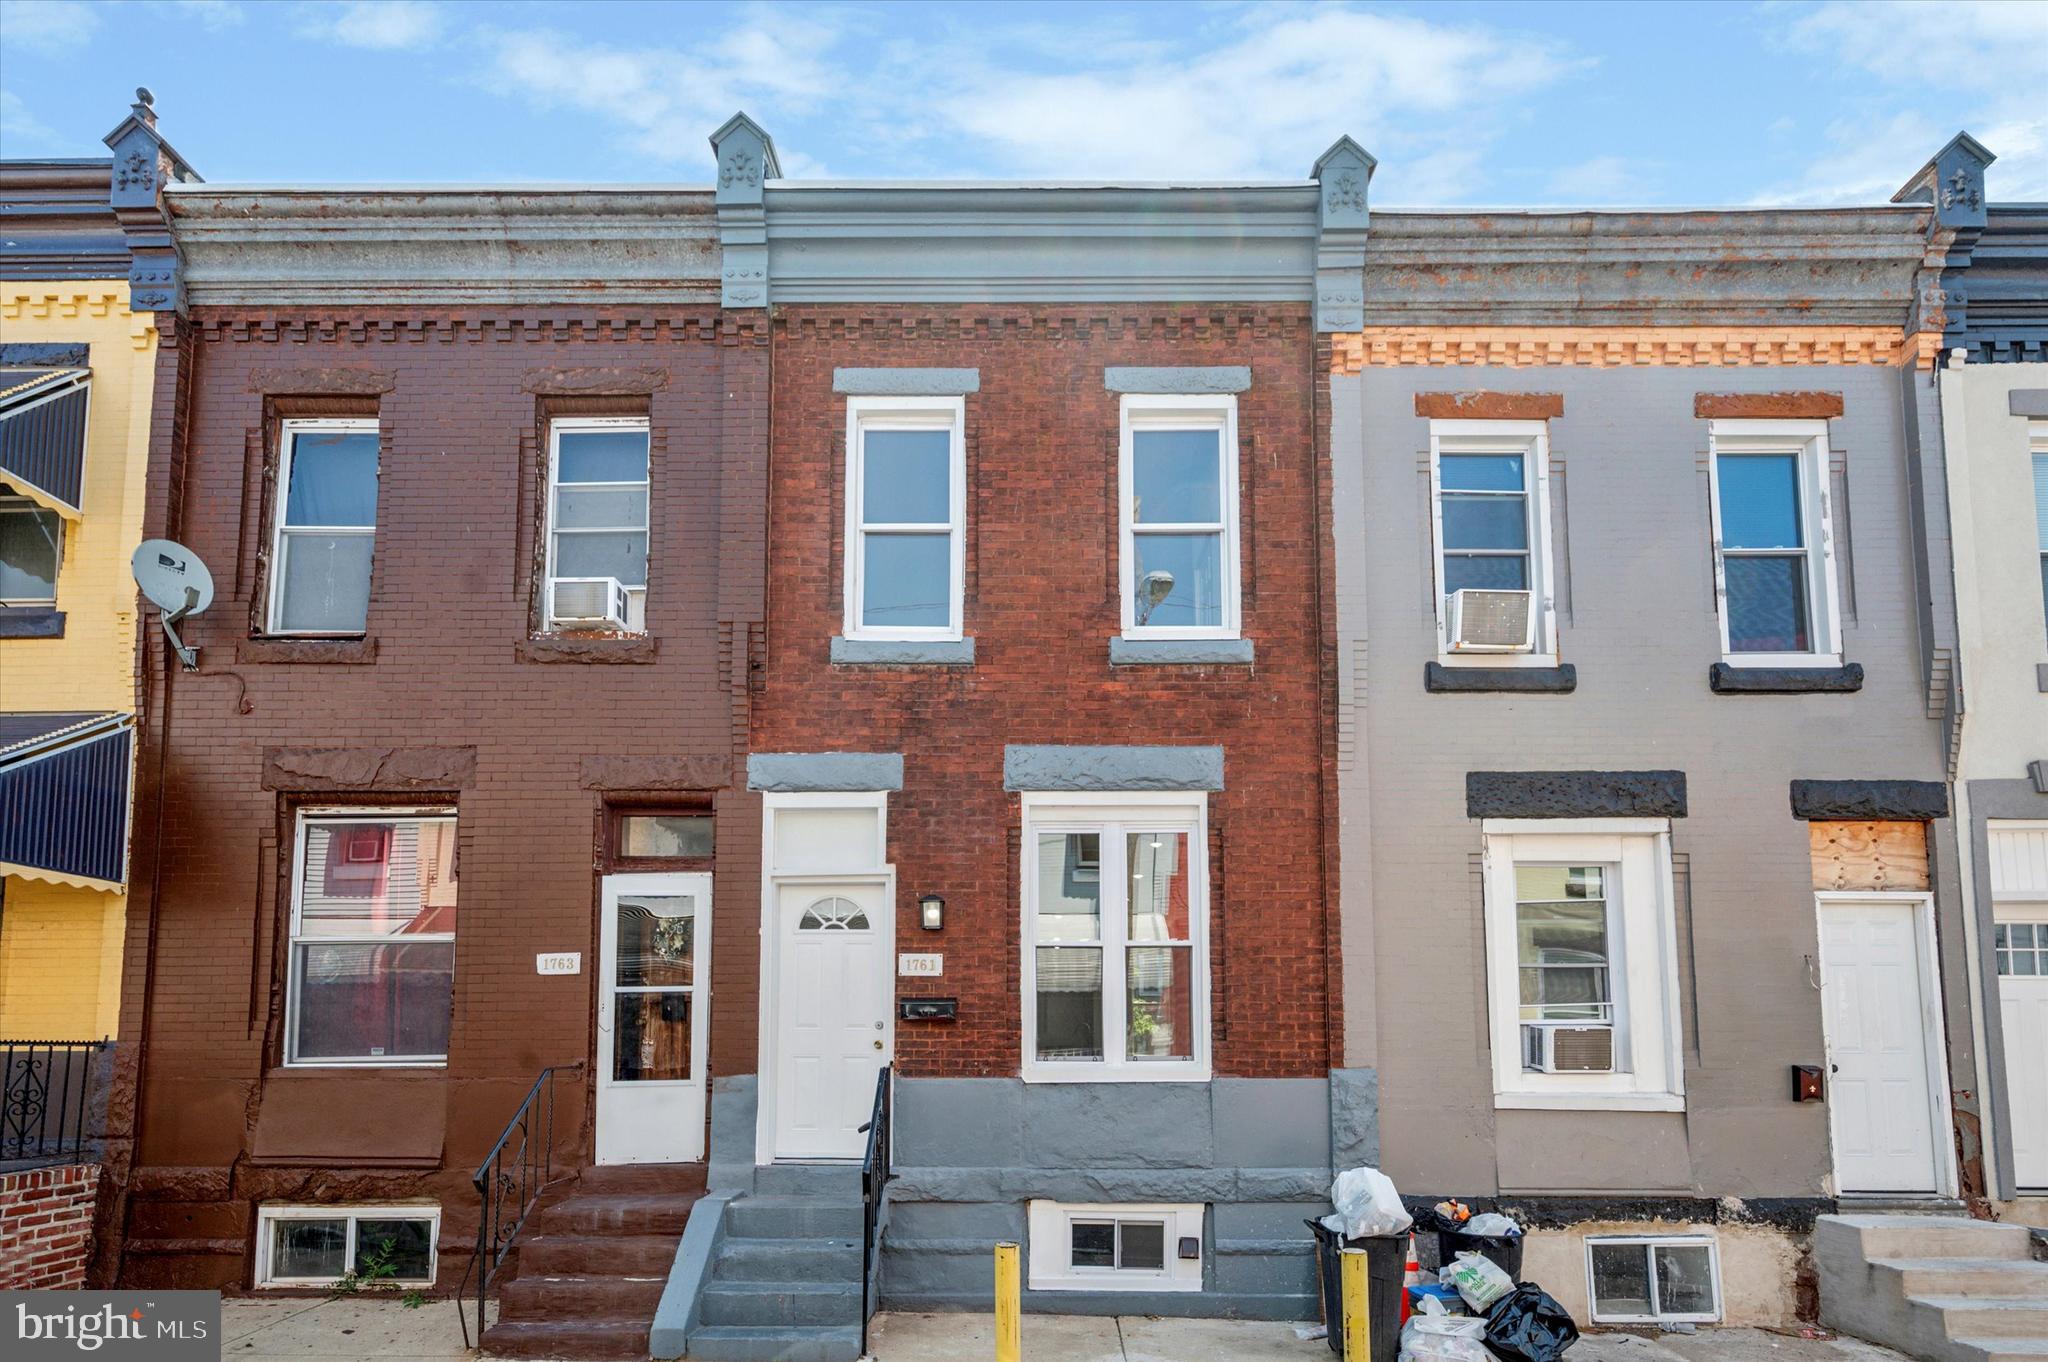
1568, 1049
1491, 621
588, 602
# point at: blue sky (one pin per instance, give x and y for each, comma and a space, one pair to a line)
1480, 103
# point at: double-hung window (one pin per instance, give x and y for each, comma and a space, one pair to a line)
1582, 976
326, 527
31, 548
1116, 934
906, 517
597, 523
1774, 564
372, 969
1490, 500
2038, 447
1178, 531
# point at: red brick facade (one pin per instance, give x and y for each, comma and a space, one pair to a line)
46, 1218
1042, 604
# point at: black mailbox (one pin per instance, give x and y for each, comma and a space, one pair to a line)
928, 1009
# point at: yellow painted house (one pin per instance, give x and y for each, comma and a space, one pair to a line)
77, 369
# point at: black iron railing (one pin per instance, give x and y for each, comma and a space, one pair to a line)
874, 1184
520, 1166
48, 1112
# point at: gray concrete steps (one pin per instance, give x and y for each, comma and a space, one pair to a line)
2002, 1349
1981, 1317
808, 1304
2007, 1277
789, 1260
1942, 1288
748, 1343
794, 1217
785, 1283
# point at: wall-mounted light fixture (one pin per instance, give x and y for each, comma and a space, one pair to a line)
931, 912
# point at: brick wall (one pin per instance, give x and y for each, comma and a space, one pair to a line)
46, 1227
1042, 605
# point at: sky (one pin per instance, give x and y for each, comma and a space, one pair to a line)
1783, 102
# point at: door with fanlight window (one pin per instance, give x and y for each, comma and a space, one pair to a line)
832, 1013
654, 962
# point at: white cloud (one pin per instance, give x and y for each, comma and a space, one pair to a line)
1601, 181
380, 25
21, 132
212, 14
47, 25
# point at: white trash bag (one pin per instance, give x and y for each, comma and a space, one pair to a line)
1479, 1280
1491, 1225
1445, 1338
1367, 1204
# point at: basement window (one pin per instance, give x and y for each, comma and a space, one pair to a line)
320, 1245
1669, 1279
1115, 1247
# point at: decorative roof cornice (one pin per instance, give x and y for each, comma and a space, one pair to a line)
1614, 347
56, 223
144, 166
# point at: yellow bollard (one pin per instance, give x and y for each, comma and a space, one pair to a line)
1357, 1306
1009, 1320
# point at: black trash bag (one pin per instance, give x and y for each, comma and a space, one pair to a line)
1528, 1325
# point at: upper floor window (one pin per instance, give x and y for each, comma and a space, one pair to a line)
31, 548
597, 523
1490, 483
1178, 536
326, 527
1774, 563
906, 519
2038, 440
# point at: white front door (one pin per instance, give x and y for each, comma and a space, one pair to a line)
1880, 1090
833, 1033
2022, 948
654, 971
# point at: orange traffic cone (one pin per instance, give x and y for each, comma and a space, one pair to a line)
1412, 1276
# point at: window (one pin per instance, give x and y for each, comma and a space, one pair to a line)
597, 523
318, 1245
1116, 925
663, 836
2022, 949
372, 971
1582, 974
326, 528
906, 533
2038, 440
1490, 482
31, 549
1115, 1247
1674, 1279
1177, 483
1774, 566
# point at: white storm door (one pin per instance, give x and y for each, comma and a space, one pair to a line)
654, 968
1880, 1089
832, 994
2022, 948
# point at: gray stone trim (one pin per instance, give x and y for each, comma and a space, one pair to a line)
1913, 800
2037, 774
1218, 378
1354, 1118
1995, 799
906, 382
1112, 768
821, 772
1142, 652
1575, 794
877, 652
2027, 402
682, 1298
1724, 679
734, 1113
1439, 679
24, 622
1310, 1186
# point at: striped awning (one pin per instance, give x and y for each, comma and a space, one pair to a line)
64, 782
42, 435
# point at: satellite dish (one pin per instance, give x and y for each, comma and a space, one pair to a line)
174, 581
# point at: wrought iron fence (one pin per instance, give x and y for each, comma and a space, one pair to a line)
48, 1109
520, 1166
874, 1184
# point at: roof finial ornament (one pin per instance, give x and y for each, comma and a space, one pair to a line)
144, 108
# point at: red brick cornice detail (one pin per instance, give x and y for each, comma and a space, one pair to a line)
1802, 404
362, 325
1609, 347
1488, 406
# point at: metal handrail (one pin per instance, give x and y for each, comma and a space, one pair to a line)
46, 1100
500, 1182
874, 1185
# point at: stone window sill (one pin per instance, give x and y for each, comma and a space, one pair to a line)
332, 652
888, 652
18, 621
1724, 679
1180, 652
636, 650
1439, 679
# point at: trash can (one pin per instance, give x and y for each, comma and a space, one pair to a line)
1505, 1250
1386, 1267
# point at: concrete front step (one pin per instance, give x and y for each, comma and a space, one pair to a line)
2011, 1278
794, 1217
581, 1340
619, 1254
1939, 1288
752, 1343
782, 1303
1878, 1237
1981, 1317
2002, 1349
789, 1260
569, 1296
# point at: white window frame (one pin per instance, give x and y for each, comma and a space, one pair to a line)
1642, 961
1809, 441
1530, 439
1051, 1262
267, 1217
1192, 411
288, 433
1184, 811
1649, 1242
15, 503
345, 814
905, 413
636, 596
